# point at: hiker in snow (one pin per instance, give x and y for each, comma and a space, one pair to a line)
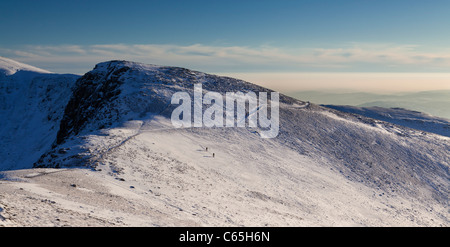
206, 149
214, 155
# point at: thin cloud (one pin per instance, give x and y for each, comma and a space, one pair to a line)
354, 57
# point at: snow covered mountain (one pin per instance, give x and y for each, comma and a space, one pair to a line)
32, 102
121, 162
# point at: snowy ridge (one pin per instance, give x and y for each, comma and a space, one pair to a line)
325, 168
10, 67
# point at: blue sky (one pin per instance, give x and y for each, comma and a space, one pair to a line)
241, 37
243, 23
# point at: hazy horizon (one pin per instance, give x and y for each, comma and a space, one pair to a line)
379, 83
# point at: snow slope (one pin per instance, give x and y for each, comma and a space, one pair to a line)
32, 102
123, 163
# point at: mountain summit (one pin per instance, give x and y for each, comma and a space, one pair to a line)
325, 167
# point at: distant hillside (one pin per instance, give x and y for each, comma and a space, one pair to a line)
436, 103
400, 116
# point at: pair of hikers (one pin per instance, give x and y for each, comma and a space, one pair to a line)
213, 154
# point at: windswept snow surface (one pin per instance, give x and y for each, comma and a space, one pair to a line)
122, 163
